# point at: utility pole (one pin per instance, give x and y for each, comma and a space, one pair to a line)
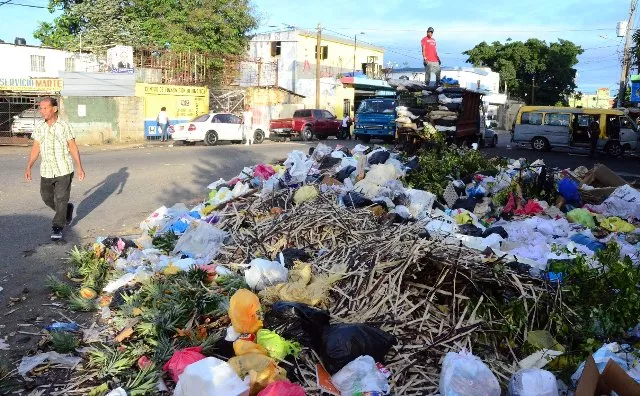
318, 59
533, 90
625, 57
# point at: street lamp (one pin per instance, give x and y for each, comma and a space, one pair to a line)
355, 47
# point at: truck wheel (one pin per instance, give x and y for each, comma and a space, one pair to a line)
614, 149
258, 136
365, 139
211, 138
540, 144
307, 134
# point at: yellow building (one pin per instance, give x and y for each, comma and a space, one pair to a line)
295, 53
601, 100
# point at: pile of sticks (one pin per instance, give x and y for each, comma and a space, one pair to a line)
434, 297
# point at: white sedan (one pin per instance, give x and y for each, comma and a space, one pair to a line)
214, 127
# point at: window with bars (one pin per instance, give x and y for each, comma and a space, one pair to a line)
69, 64
37, 63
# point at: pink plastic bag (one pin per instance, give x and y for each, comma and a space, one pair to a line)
531, 208
263, 171
181, 359
282, 388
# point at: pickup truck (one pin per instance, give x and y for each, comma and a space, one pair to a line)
306, 124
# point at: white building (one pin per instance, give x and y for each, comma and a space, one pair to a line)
29, 61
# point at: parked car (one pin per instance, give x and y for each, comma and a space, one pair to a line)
24, 124
488, 136
214, 127
307, 124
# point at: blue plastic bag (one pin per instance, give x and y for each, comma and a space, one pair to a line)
568, 188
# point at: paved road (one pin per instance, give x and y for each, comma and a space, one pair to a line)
122, 187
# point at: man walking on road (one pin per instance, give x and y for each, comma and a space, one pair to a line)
594, 136
55, 142
430, 56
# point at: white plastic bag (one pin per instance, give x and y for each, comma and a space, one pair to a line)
263, 273
359, 376
162, 215
298, 166
421, 203
201, 241
211, 377
533, 382
117, 392
118, 283
28, 363
321, 151
464, 374
377, 177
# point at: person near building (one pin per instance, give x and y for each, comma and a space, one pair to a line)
430, 56
55, 142
594, 136
345, 127
163, 124
247, 122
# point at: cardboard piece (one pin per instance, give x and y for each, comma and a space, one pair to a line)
612, 379
602, 176
330, 181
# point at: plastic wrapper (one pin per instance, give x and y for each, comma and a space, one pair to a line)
244, 312
211, 377
359, 376
533, 382
181, 359
261, 370
464, 374
263, 273
201, 241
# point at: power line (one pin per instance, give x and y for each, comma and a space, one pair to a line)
10, 2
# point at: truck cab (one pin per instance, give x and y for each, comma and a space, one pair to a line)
375, 119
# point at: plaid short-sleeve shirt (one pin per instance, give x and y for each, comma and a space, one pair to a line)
54, 148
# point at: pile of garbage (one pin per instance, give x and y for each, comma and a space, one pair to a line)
422, 107
335, 272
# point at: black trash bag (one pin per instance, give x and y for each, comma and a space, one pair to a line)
520, 268
402, 199
329, 162
467, 203
344, 342
311, 150
292, 254
495, 230
353, 199
379, 157
345, 172
470, 229
224, 348
413, 164
296, 321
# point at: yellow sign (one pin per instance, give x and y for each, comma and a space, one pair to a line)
174, 90
31, 84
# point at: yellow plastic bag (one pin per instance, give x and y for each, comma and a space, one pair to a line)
276, 346
616, 224
463, 218
242, 347
301, 287
261, 369
305, 193
244, 312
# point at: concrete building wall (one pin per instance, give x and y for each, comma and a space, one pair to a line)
271, 103
103, 120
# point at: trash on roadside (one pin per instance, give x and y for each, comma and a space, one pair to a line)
533, 382
359, 377
28, 363
181, 359
245, 312
464, 374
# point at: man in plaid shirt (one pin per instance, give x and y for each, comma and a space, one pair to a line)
55, 142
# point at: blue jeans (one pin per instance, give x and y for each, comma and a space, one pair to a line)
164, 128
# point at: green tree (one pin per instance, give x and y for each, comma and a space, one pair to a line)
519, 63
216, 27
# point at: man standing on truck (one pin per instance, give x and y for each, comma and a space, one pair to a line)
430, 56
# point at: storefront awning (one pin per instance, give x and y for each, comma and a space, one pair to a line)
367, 84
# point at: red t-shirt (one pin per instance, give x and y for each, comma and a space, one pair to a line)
429, 49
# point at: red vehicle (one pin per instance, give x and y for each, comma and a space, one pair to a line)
306, 124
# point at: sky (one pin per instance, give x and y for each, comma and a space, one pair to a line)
399, 25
